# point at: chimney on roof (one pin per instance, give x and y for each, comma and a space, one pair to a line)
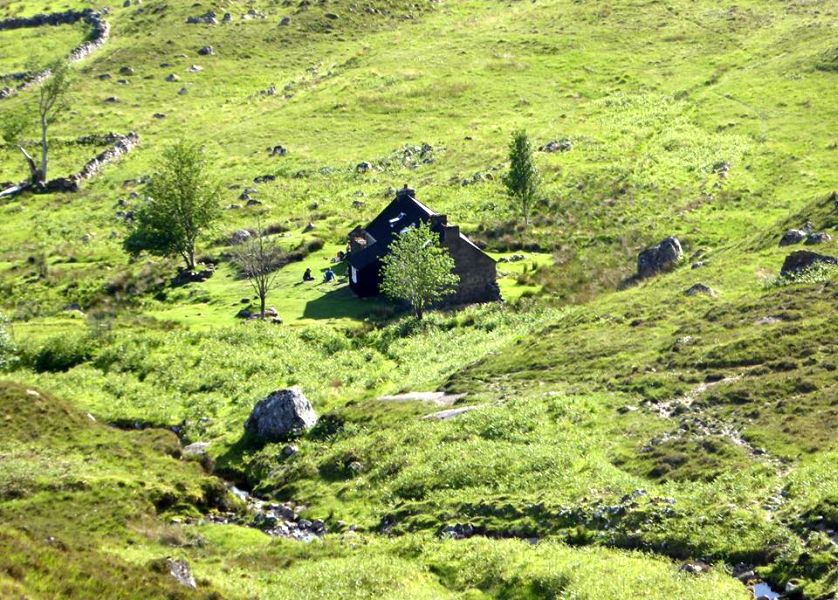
438, 221
406, 192
450, 232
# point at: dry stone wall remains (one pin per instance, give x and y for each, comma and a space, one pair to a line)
100, 33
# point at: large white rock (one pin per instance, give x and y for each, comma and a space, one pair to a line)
283, 414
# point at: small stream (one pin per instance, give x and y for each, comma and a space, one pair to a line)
273, 518
763, 591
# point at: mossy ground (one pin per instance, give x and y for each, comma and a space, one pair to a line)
625, 429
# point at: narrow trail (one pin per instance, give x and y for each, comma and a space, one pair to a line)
693, 421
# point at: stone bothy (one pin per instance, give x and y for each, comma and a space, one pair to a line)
368, 245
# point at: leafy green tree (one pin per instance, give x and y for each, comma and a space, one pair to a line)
418, 270
182, 202
53, 101
522, 179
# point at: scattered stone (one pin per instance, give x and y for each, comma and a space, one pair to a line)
199, 275
363, 167
700, 288
285, 21
206, 51
800, 260
290, 450
227, 18
563, 145
281, 414
159, 116
694, 568
458, 531
195, 69
182, 92
208, 18
111, 100
661, 258
105, 76
240, 237
278, 150
171, 77
331, 16
476, 178
196, 449
308, 228
264, 178
126, 71
180, 570
792, 236
722, 169
818, 237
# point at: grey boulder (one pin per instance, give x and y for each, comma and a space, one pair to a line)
800, 260
282, 414
818, 237
792, 236
663, 257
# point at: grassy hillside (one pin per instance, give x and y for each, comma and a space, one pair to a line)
627, 428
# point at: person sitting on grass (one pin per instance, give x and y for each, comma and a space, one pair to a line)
307, 276
328, 276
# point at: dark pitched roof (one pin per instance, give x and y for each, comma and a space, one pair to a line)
404, 211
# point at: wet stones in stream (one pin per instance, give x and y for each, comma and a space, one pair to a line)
274, 519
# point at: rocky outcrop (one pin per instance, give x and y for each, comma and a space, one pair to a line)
805, 234
792, 236
800, 260
700, 288
181, 571
282, 414
658, 259
563, 145
818, 237
100, 33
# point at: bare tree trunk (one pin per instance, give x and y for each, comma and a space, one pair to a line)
35, 176
262, 304
44, 148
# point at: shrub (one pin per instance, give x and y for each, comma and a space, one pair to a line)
62, 353
7, 345
817, 273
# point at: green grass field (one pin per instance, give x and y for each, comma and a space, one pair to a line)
620, 430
